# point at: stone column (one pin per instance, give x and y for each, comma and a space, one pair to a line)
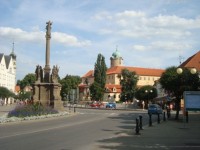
47, 68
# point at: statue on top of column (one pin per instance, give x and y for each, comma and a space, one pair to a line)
48, 28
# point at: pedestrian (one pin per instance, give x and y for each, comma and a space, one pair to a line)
143, 105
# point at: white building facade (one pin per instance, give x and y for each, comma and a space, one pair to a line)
8, 72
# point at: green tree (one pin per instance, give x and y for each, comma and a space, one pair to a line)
146, 93
69, 82
175, 84
24, 95
5, 93
97, 89
128, 82
28, 80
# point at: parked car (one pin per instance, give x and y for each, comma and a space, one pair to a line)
111, 105
96, 104
154, 109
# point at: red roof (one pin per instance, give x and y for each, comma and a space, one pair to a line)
88, 74
17, 88
139, 71
192, 62
110, 87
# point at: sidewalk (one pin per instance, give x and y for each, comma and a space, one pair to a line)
168, 135
5, 109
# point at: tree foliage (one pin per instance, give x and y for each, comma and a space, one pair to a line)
97, 88
28, 80
5, 93
175, 84
146, 93
69, 82
24, 96
128, 82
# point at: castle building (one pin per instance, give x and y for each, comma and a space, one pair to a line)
8, 71
146, 76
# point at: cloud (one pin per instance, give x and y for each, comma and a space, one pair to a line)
137, 24
69, 40
38, 36
139, 47
16, 33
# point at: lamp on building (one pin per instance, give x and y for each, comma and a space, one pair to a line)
192, 71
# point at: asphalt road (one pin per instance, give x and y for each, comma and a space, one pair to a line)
81, 131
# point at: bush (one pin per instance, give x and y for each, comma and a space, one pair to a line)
31, 110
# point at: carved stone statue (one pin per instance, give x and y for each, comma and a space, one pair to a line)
54, 74
37, 73
41, 74
48, 28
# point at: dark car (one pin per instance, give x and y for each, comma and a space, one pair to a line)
111, 105
154, 109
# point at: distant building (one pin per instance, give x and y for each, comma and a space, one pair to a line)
192, 62
8, 71
146, 76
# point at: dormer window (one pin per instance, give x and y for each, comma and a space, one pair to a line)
106, 89
114, 89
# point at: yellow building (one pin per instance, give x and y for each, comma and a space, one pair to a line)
146, 76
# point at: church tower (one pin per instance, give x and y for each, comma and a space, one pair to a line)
116, 59
14, 58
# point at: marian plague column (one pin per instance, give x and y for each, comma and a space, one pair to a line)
46, 89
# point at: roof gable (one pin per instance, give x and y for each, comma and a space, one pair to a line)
7, 60
1, 56
89, 74
192, 62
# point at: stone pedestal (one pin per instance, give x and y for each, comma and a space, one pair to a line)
48, 94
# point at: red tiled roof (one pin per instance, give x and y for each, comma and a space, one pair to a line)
111, 86
139, 71
17, 88
88, 74
192, 62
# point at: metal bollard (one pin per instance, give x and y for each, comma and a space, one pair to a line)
186, 114
150, 121
74, 109
158, 118
140, 124
137, 130
168, 113
164, 118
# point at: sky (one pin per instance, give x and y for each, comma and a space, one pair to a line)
147, 33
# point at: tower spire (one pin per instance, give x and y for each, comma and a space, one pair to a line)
13, 47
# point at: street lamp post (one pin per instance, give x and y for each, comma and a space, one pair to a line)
148, 92
192, 71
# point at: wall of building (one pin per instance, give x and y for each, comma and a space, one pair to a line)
7, 75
